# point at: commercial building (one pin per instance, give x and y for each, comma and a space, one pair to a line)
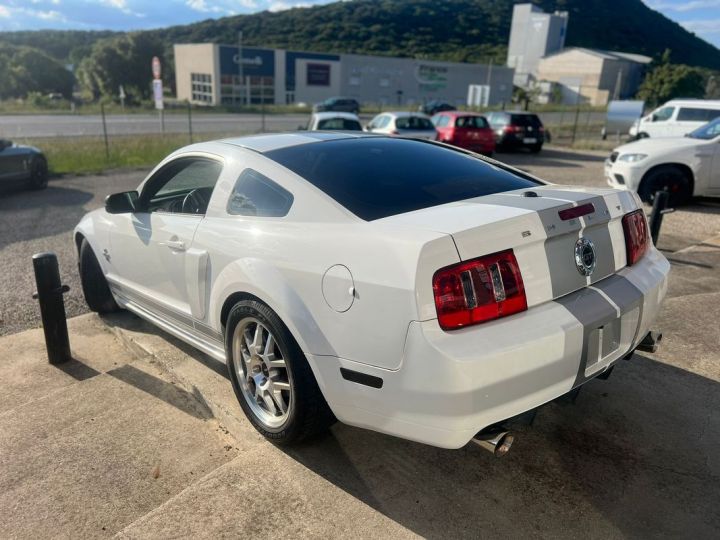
212, 74
533, 34
591, 76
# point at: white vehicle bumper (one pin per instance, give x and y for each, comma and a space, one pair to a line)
623, 175
453, 384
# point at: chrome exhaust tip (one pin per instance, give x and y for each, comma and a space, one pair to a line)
498, 443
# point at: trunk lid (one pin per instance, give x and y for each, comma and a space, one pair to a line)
543, 242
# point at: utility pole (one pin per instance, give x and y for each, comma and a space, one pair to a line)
488, 82
240, 68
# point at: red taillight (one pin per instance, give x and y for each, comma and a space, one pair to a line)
514, 129
636, 235
394, 132
480, 290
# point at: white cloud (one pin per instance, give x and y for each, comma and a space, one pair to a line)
50, 15
684, 7
703, 27
281, 5
121, 5
4, 12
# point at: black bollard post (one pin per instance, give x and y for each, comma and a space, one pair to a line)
659, 209
52, 307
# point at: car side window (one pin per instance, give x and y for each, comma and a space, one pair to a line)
183, 186
697, 115
442, 120
382, 122
664, 114
255, 194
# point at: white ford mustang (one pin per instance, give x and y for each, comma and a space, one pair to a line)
399, 285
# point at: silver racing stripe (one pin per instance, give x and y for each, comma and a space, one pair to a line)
596, 308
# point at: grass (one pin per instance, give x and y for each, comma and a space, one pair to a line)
87, 155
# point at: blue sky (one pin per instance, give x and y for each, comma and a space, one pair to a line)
699, 16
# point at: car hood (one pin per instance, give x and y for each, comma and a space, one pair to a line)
661, 145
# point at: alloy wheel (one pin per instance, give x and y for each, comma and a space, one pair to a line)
261, 372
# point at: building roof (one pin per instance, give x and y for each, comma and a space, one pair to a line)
607, 55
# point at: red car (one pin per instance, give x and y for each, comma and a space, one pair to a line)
466, 130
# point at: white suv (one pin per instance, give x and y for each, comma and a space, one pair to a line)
684, 166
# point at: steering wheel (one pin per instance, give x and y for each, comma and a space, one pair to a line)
195, 202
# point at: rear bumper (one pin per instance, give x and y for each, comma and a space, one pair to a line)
453, 384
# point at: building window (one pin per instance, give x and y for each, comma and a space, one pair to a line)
318, 75
202, 89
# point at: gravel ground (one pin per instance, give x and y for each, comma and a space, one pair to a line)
31, 222
35, 221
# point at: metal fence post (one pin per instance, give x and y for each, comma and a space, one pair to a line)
190, 133
105, 135
52, 307
659, 209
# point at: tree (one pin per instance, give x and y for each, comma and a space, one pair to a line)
25, 70
119, 61
667, 81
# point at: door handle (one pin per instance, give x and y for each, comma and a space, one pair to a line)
176, 245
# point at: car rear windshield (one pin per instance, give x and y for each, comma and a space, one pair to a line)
413, 122
472, 122
525, 120
344, 124
377, 177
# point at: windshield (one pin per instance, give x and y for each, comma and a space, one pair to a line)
344, 124
413, 122
377, 177
708, 131
472, 122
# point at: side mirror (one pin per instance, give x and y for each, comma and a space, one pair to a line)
121, 203
653, 117
302, 128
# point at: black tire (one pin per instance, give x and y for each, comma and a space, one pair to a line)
38, 173
94, 285
308, 412
535, 148
666, 178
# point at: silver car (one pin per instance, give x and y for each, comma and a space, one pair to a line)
407, 124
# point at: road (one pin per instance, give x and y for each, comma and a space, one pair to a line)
68, 125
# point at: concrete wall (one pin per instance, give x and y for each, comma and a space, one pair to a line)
593, 75
533, 34
196, 58
373, 79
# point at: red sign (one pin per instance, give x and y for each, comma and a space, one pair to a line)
156, 67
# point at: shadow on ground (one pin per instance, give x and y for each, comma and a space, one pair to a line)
636, 456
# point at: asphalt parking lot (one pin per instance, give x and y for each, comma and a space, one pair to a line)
634, 456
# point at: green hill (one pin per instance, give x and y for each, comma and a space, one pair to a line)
460, 30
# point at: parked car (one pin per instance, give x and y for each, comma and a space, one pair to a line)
407, 124
465, 130
22, 166
338, 104
517, 130
399, 285
334, 121
435, 106
684, 166
676, 118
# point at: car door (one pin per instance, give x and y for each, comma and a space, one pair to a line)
661, 122
14, 163
148, 248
